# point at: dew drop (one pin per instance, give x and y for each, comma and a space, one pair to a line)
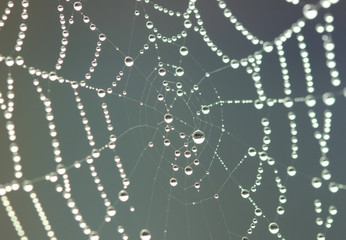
320, 236
280, 210
310, 11
27, 186
111, 211
168, 118
184, 51
77, 6
258, 104
179, 71
102, 37
235, 63
198, 137
145, 234
273, 228
205, 110
291, 171
252, 152
94, 236
9, 61
258, 212
123, 195
328, 98
188, 170
128, 61
310, 101
245, 193
101, 93
173, 182
268, 47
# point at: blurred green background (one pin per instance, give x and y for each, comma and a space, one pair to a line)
164, 210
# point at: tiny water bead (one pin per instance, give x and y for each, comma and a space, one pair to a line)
77, 6
258, 212
168, 118
145, 234
27, 186
128, 61
291, 171
183, 51
102, 37
101, 93
111, 211
179, 71
9, 61
252, 152
245, 193
273, 228
328, 98
188, 170
123, 196
173, 182
268, 47
205, 110
310, 11
198, 137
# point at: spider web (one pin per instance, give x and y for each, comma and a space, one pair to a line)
172, 119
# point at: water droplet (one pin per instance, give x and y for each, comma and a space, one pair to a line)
268, 47
291, 171
328, 98
149, 24
188, 170
198, 137
280, 210
235, 63
179, 71
258, 212
162, 72
310, 11
310, 101
77, 6
9, 61
187, 154
173, 182
245, 193
101, 93
320, 236
94, 236
258, 104
111, 211
102, 37
333, 187
60, 169
187, 23
27, 186
273, 228
168, 118
184, 51
252, 152
160, 97
123, 195
205, 110
128, 61
19, 60
145, 234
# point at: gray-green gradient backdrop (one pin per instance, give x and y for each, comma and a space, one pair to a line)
149, 169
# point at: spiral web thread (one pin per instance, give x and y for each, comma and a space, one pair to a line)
192, 144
